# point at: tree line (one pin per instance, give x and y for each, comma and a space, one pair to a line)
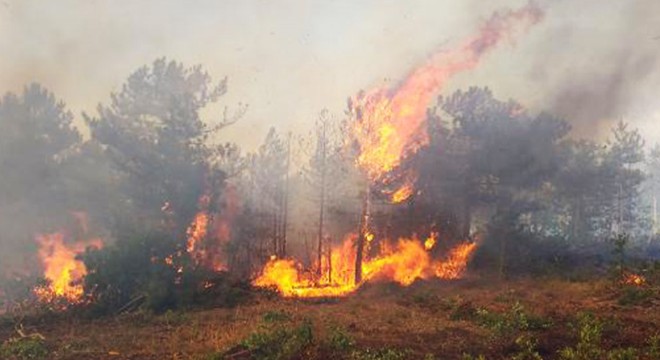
142, 163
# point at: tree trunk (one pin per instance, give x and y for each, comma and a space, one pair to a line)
285, 202
329, 264
319, 258
467, 219
362, 233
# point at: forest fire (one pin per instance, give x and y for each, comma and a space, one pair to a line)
403, 262
62, 269
389, 122
388, 127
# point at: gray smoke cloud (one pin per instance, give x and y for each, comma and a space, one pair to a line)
590, 61
603, 68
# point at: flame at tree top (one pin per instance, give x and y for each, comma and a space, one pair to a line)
63, 271
389, 122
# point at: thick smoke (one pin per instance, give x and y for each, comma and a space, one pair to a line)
598, 65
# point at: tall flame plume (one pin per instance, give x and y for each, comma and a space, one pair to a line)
390, 121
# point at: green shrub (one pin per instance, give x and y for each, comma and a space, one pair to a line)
150, 270
526, 349
623, 354
340, 340
27, 348
589, 340
279, 343
516, 319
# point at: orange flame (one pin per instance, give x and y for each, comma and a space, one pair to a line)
198, 228
197, 231
429, 243
390, 122
403, 263
634, 279
209, 232
62, 269
456, 263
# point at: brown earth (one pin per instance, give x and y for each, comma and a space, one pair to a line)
427, 320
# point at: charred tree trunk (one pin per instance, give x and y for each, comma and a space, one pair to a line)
274, 232
362, 234
319, 258
285, 201
467, 219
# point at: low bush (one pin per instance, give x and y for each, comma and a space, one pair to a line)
280, 343
24, 348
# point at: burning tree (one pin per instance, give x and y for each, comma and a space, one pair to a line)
170, 182
388, 124
386, 128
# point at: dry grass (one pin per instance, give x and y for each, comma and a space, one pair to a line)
426, 318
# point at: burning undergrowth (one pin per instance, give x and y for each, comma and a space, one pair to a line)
64, 270
207, 213
404, 262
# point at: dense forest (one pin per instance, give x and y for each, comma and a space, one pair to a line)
173, 207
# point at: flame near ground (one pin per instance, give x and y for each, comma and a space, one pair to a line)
63, 270
404, 262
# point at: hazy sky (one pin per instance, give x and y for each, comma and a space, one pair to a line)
590, 60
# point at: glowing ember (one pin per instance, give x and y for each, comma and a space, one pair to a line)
61, 268
429, 243
402, 194
634, 279
390, 121
404, 262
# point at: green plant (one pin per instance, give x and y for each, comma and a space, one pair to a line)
340, 340
623, 354
516, 319
279, 343
589, 340
459, 309
472, 357
526, 349
24, 348
379, 354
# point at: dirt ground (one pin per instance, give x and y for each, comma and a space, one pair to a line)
428, 320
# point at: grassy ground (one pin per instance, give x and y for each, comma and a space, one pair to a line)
517, 319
